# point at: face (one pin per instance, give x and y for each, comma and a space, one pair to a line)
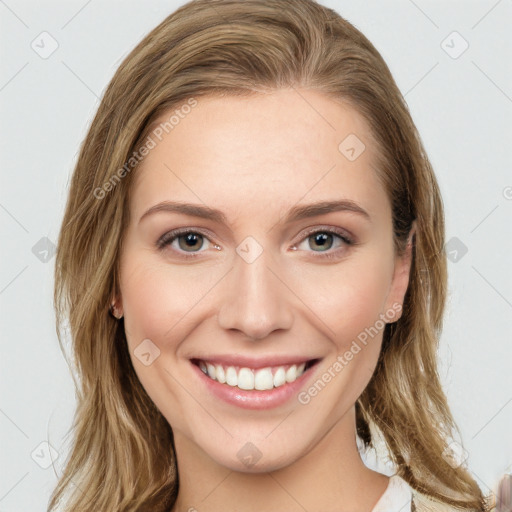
249, 285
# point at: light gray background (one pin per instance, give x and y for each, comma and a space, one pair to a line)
462, 107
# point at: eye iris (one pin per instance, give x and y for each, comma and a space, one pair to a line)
321, 238
190, 240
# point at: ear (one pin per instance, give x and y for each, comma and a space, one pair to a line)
400, 281
116, 305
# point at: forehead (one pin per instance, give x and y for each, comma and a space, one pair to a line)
247, 154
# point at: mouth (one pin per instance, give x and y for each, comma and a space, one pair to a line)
254, 377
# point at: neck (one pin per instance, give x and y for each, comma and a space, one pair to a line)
329, 477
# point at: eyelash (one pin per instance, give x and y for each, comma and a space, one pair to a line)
170, 236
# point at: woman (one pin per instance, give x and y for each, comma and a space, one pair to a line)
225, 362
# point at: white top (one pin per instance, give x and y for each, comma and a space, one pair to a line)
398, 494
396, 498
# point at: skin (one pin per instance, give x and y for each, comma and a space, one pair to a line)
253, 159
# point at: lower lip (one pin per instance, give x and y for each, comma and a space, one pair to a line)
254, 399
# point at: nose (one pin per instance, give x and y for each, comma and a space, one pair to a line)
255, 299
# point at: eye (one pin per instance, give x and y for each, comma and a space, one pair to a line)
183, 241
187, 242
324, 240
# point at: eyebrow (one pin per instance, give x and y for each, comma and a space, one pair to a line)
296, 213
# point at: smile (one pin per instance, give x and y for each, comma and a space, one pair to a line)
253, 385
247, 378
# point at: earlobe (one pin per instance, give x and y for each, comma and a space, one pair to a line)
116, 309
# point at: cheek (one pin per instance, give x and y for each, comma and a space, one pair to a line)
349, 298
160, 304
353, 312
159, 299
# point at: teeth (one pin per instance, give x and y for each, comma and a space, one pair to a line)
219, 374
291, 373
211, 370
231, 376
263, 379
279, 377
247, 379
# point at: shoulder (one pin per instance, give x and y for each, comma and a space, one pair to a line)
396, 497
400, 496
424, 503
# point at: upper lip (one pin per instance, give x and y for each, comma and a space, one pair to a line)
253, 362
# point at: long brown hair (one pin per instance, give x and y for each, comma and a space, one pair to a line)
122, 455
